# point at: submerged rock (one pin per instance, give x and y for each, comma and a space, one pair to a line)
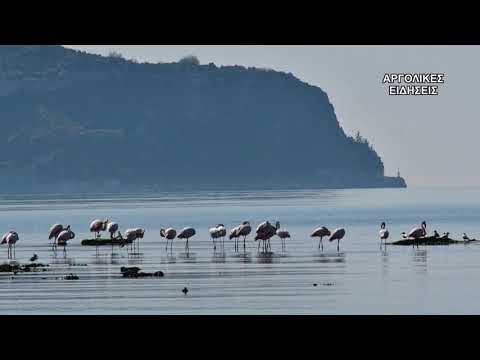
431, 240
102, 242
134, 272
21, 268
71, 277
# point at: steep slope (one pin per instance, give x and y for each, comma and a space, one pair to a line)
72, 121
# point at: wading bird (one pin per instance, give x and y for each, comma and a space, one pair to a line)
222, 230
96, 226
134, 236
186, 233
383, 233
417, 233
338, 235
63, 237
283, 235
436, 235
112, 228
465, 237
34, 258
55, 230
264, 232
10, 238
216, 233
320, 233
234, 235
168, 234
244, 230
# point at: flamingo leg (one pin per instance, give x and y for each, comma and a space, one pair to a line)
338, 245
244, 249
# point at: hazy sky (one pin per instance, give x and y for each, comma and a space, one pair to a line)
432, 139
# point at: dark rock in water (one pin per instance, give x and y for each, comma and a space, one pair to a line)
21, 268
134, 272
431, 241
124, 269
9, 268
103, 242
314, 284
35, 265
71, 277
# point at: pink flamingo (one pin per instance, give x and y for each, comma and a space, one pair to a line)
55, 230
10, 238
97, 225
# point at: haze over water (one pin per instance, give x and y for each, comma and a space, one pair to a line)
361, 279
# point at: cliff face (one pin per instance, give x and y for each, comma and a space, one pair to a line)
72, 121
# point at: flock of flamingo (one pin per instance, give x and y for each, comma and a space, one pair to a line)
264, 232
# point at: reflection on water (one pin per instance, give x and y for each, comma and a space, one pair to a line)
329, 257
420, 259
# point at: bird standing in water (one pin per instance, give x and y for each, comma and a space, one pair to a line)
186, 233
320, 233
244, 229
264, 232
34, 258
383, 234
10, 238
168, 234
55, 230
338, 235
283, 234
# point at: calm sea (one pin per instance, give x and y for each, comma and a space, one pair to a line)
360, 279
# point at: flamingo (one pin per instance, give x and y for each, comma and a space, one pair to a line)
133, 235
338, 235
383, 233
168, 234
63, 237
234, 235
55, 230
96, 226
186, 233
222, 231
417, 232
282, 234
244, 230
112, 228
10, 238
264, 232
215, 233
320, 233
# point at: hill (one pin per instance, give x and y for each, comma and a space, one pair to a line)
72, 121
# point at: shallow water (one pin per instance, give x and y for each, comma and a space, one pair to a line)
360, 279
